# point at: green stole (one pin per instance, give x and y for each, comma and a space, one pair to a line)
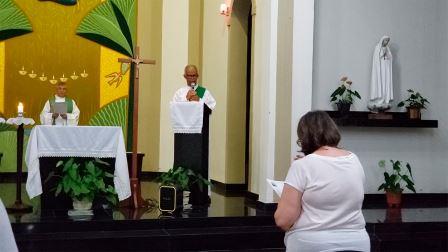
200, 91
68, 102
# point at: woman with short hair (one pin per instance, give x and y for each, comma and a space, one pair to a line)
320, 207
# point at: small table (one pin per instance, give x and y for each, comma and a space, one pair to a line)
19, 206
77, 141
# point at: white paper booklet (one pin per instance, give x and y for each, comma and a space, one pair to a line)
276, 185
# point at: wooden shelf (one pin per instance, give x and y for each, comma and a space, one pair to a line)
360, 119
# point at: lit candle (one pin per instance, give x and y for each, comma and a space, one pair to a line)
223, 9
20, 109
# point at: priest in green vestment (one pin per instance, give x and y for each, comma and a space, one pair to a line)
59, 109
193, 92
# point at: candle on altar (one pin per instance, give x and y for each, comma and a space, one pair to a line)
20, 109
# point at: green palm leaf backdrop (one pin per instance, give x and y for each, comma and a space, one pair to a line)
113, 114
113, 24
8, 149
13, 21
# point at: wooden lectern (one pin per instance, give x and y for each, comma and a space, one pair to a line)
191, 151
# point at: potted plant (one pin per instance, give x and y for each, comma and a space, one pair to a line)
394, 181
414, 104
173, 183
84, 182
343, 95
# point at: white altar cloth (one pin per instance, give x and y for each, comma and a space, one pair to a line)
77, 141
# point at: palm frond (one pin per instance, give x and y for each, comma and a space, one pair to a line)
111, 24
13, 21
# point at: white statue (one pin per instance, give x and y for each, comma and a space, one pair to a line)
381, 85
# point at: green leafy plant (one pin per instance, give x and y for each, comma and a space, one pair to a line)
343, 93
415, 100
394, 181
85, 181
182, 178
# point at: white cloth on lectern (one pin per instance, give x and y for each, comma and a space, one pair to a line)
381, 85
2, 120
187, 117
7, 241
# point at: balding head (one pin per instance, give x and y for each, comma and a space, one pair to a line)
191, 74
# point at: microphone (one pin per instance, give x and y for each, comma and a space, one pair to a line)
193, 85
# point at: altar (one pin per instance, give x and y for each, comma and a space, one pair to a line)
77, 141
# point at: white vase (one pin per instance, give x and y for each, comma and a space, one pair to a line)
84, 204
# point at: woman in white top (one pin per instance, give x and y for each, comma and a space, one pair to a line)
320, 207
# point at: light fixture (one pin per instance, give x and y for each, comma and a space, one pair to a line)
225, 9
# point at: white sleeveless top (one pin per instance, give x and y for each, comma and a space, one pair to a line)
333, 192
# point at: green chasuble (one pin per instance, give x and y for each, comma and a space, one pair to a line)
200, 91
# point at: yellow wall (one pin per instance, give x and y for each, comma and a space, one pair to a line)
109, 64
214, 76
195, 32
150, 41
224, 74
52, 48
174, 58
236, 93
284, 81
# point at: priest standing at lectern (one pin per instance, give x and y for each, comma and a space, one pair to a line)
59, 109
193, 92
190, 110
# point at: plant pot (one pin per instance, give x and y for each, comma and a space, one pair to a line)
82, 204
393, 199
343, 108
414, 113
393, 215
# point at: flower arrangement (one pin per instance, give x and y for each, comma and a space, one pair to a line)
343, 93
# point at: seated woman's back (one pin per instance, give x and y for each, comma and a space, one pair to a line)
332, 186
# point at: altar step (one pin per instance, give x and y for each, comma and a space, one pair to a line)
256, 233
191, 233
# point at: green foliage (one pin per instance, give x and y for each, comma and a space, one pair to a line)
182, 178
85, 181
394, 181
343, 93
415, 100
6, 127
13, 21
113, 114
8, 147
113, 25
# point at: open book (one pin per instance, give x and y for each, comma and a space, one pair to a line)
276, 185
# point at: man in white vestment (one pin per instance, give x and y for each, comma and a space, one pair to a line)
193, 92
381, 85
60, 110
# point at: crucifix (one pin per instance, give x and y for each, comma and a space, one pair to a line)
136, 199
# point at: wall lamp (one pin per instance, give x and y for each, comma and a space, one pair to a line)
225, 9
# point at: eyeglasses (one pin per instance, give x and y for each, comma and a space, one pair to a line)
191, 75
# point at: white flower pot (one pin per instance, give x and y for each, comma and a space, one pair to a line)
82, 204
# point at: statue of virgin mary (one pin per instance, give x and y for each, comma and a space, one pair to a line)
381, 85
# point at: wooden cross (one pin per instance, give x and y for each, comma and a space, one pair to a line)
136, 199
